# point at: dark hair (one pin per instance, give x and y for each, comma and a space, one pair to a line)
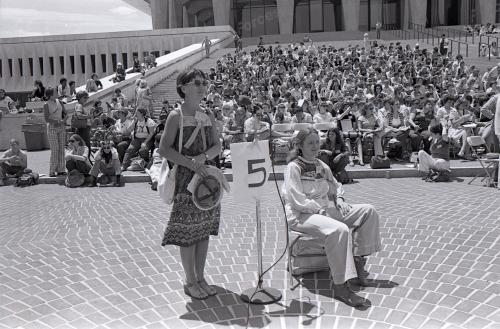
49, 91
142, 110
62, 80
81, 94
186, 77
72, 82
436, 129
118, 90
79, 139
298, 140
39, 83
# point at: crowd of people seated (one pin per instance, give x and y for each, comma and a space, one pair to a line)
381, 100
385, 100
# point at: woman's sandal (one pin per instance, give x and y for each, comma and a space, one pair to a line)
195, 291
208, 288
352, 300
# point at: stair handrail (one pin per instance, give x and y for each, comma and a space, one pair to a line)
447, 31
488, 44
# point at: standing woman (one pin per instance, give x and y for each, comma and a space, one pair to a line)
82, 113
189, 227
55, 116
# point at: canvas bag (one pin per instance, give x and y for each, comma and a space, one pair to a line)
166, 180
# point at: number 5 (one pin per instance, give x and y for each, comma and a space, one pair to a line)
252, 170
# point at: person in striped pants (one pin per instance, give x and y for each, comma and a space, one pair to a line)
55, 116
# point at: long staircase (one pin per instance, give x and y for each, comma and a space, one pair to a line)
167, 89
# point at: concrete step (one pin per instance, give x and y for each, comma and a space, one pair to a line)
396, 171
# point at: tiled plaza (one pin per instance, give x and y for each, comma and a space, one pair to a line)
91, 258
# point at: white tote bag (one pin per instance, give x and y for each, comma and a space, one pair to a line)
166, 181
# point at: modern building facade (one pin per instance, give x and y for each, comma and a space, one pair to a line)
77, 56
252, 18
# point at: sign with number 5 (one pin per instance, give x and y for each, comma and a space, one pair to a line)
251, 167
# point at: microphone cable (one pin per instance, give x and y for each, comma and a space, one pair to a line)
287, 240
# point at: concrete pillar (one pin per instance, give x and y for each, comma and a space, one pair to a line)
441, 12
176, 13
88, 62
195, 20
185, 17
67, 63
487, 11
159, 14
350, 13
26, 68
5, 70
285, 16
222, 11
418, 12
36, 66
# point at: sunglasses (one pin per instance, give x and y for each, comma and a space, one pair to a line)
199, 83
106, 147
72, 140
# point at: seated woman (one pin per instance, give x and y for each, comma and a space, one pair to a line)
315, 205
323, 115
438, 162
93, 84
77, 155
120, 73
393, 122
107, 162
336, 155
369, 126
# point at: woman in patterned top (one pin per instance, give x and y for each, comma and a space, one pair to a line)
190, 227
315, 205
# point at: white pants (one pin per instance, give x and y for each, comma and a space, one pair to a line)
340, 244
426, 163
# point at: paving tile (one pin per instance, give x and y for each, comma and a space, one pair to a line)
441, 270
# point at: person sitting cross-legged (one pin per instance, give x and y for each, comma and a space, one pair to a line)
315, 205
12, 162
76, 155
107, 162
437, 164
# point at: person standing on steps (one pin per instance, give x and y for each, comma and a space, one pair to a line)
378, 28
207, 44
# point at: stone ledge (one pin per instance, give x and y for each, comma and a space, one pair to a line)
135, 177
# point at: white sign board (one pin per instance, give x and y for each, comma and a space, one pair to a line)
251, 166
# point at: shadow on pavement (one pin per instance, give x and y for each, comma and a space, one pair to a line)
232, 311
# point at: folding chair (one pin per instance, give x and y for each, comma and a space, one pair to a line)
306, 254
488, 160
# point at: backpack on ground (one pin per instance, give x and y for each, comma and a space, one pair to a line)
380, 162
28, 179
74, 179
395, 149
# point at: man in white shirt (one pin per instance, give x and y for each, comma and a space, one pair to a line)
255, 128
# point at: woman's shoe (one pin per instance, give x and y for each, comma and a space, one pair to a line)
345, 295
210, 290
195, 291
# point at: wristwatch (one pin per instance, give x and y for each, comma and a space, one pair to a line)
206, 157
322, 211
